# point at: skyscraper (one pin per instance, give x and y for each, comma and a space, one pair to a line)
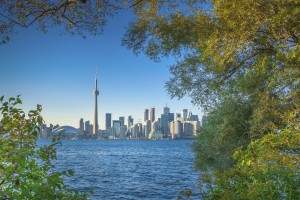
166, 110
96, 93
116, 128
146, 115
87, 127
152, 114
122, 119
184, 114
130, 123
81, 126
107, 121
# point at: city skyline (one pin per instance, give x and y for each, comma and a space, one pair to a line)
57, 71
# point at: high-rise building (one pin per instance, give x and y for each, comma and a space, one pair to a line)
165, 124
96, 93
87, 126
152, 114
184, 114
107, 121
129, 123
176, 129
171, 117
122, 119
91, 129
147, 128
154, 127
166, 110
190, 129
146, 115
81, 126
116, 128
192, 117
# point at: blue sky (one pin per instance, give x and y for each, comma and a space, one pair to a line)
57, 71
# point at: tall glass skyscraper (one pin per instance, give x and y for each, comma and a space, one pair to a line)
107, 121
146, 115
152, 114
122, 119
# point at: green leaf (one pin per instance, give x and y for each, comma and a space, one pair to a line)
70, 172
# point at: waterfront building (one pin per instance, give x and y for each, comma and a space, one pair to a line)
67, 132
96, 93
107, 121
87, 127
146, 115
136, 131
190, 129
81, 126
123, 130
116, 128
91, 129
176, 129
155, 135
152, 114
147, 128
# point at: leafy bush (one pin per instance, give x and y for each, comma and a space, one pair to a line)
268, 169
26, 171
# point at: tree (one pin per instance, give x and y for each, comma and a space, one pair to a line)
251, 45
239, 60
267, 169
26, 171
76, 16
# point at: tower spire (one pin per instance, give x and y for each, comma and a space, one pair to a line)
96, 93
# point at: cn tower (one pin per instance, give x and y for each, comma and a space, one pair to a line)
96, 93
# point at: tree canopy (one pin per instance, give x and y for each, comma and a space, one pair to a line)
239, 60
79, 17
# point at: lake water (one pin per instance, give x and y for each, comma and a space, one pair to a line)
129, 169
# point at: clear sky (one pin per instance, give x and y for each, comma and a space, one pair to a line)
57, 71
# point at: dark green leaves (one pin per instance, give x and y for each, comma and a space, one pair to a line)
70, 172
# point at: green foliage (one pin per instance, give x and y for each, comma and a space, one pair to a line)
239, 61
268, 169
26, 171
226, 129
252, 47
254, 43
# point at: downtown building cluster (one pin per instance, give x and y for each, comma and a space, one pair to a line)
169, 125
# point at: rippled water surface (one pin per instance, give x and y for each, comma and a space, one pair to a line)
129, 169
